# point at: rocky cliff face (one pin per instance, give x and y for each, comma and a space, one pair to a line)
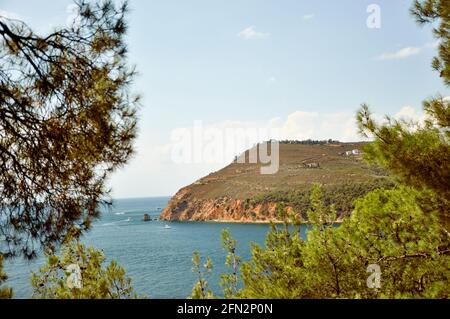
185, 207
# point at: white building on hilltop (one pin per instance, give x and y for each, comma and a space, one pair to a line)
352, 152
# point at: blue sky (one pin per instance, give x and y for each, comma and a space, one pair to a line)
256, 62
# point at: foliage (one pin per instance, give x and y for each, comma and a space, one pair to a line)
5, 292
67, 120
417, 155
386, 228
58, 278
230, 281
275, 271
201, 289
389, 228
342, 195
438, 12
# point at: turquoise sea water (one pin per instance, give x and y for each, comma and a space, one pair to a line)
158, 259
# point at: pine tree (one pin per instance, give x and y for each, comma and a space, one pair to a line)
5, 292
67, 120
79, 273
230, 281
201, 289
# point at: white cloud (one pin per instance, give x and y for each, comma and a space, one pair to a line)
10, 15
251, 33
304, 125
408, 113
271, 80
309, 16
406, 52
400, 54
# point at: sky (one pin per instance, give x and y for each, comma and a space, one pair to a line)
300, 67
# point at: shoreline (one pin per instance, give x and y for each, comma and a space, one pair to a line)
225, 221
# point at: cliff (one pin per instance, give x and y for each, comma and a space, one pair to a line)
185, 206
239, 193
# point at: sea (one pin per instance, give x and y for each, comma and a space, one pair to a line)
156, 256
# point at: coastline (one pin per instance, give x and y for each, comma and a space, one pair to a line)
226, 221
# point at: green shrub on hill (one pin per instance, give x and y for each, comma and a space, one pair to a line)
341, 195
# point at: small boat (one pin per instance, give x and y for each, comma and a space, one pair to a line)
167, 226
